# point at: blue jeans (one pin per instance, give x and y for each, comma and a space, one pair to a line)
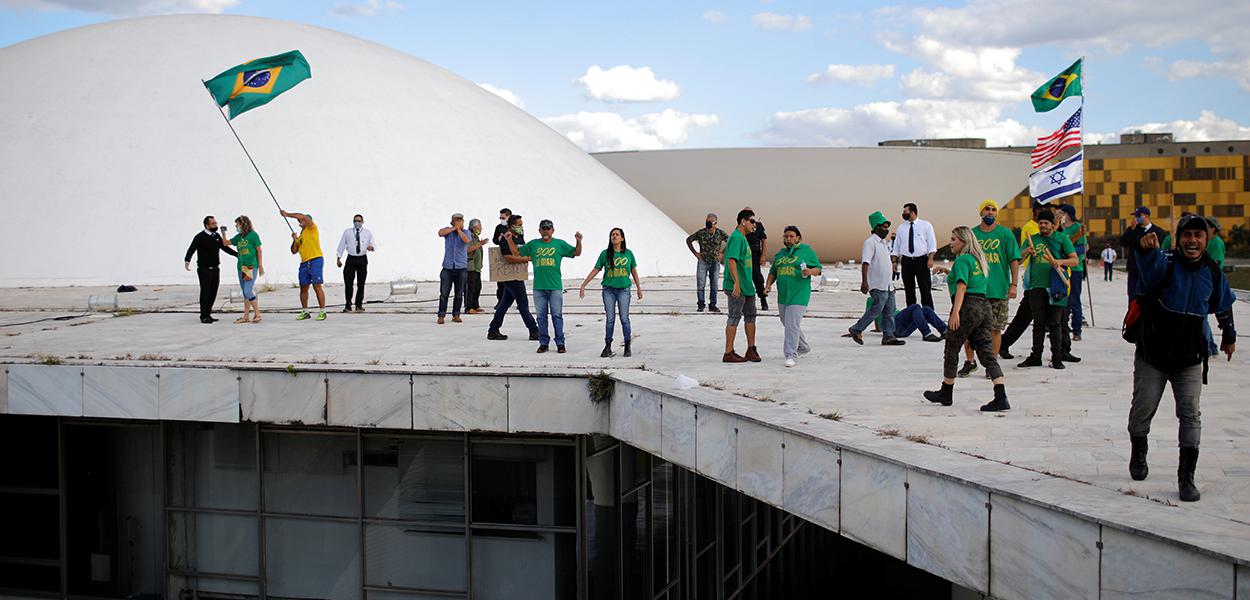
1074, 301
882, 306
448, 279
707, 271
513, 291
917, 317
552, 301
615, 299
248, 286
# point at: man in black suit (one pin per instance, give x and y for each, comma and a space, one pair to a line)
205, 246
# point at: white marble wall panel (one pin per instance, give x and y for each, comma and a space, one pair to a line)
45, 390
811, 480
716, 446
459, 403
634, 417
1041, 554
874, 503
678, 421
554, 405
281, 397
370, 400
948, 530
210, 395
120, 392
760, 458
4, 389
1140, 568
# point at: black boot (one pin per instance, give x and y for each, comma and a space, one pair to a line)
1185, 475
607, 351
1137, 467
943, 396
1000, 400
534, 334
627, 351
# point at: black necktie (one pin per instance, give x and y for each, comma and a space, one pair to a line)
911, 238
357, 241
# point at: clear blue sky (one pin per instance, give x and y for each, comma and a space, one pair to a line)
619, 75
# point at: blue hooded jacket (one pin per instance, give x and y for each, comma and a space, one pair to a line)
1178, 295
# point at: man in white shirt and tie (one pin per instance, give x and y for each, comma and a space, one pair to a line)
915, 244
357, 242
1108, 262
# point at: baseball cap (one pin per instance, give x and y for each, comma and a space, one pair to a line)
546, 224
1142, 210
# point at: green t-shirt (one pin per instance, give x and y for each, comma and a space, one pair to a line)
616, 275
475, 257
246, 245
1215, 249
792, 286
1000, 248
547, 257
968, 270
1070, 231
1039, 270
738, 249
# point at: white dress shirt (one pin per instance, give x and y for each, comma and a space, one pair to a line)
1108, 255
348, 242
925, 243
880, 269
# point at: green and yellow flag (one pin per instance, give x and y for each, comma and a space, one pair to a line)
1065, 84
256, 82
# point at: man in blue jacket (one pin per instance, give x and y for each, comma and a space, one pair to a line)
1176, 293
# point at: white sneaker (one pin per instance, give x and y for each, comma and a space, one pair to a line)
790, 362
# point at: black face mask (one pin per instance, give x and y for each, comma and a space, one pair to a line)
905, 217
881, 232
708, 224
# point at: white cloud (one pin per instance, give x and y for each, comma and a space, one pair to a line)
125, 8
1207, 127
714, 16
867, 124
1238, 71
368, 8
604, 131
624, 83
965, 72
861, 74
507, 95
770, 20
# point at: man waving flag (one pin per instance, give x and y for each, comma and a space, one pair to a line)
256, 82
1063, 85
1067, 136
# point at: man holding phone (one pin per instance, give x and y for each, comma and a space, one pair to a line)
205, 246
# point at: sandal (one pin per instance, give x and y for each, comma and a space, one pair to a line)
240, 320
256, 319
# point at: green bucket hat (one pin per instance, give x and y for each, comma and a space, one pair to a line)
876, 219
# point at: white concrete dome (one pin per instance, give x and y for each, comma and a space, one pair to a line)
112, 153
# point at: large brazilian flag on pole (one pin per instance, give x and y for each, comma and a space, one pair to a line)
1063, 85
256, 82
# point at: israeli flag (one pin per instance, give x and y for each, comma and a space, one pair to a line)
1063, 179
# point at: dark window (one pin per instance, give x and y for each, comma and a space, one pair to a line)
1123, 188
1229, 210
1184, 150
1095, 164
1159, 151
1207, 149
1185, 199
1165, 212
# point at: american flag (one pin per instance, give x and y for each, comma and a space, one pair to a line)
1067, 136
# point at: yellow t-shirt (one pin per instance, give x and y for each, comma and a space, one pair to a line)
1027, 231
309, 243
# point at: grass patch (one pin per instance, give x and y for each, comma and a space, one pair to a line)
374, 361
48, 359
291, 369
601, 387
268, 287
153, 357
918, 438
832, 416
888, 433
125, 312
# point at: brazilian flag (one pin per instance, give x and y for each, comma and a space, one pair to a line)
256, 82
1065, 84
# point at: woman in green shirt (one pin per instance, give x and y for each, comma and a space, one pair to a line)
251, 266
618, 265
970, 319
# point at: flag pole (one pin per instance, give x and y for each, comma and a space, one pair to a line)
249, 154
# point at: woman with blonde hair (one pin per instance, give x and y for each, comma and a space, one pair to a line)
970, 319
251, 266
